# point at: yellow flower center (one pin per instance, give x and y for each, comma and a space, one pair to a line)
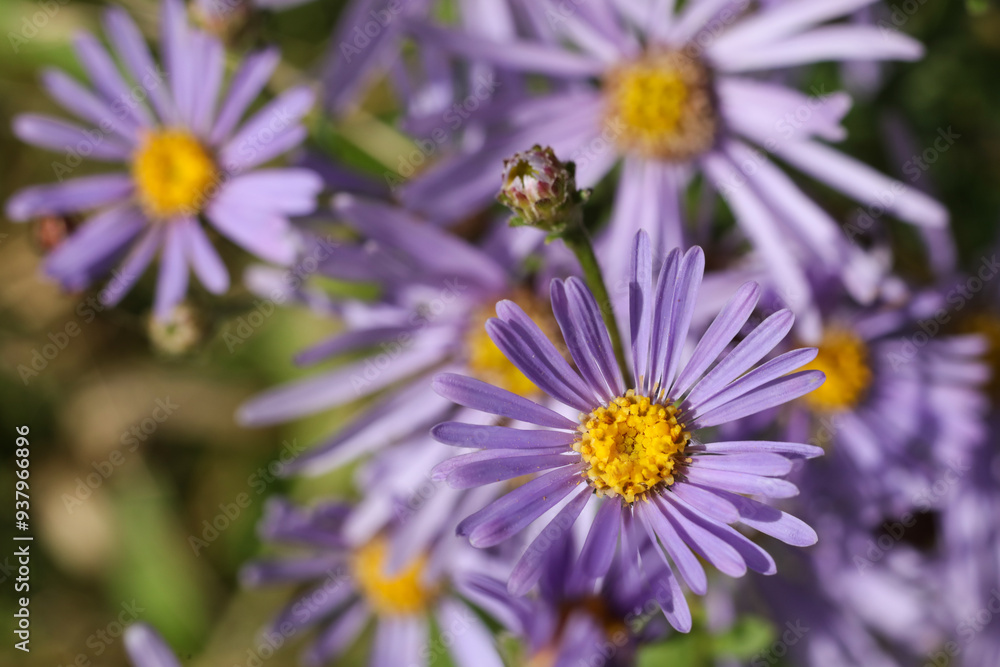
391, 595
488, 363
632, 446
843, 357
987, 325
173, 173
661, 106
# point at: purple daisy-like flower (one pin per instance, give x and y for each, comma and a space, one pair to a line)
635, 451
146, 647
189, 160
673, 95
353, 585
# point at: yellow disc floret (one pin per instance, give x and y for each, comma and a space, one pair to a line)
173, 173
401, 593
632, 446
660, 106
843, 357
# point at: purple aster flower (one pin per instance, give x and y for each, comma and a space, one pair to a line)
673, 95
353, 585
146, 647
435, 292
189, 160
634, 449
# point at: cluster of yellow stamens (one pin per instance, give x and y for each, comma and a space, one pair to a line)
987, 325
661, 106
398, 594
173, 173
843, 357
632, 446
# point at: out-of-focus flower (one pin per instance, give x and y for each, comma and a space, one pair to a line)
435, 292
189, 160
669, 93
227, 16
356, 586
146, 647
635, 451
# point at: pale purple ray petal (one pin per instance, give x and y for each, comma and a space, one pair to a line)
267, 147
511, 513
836, 43
863, 183
658, 525
722, 330
602, 539
766, 396
286, 569
284, 110
338, 636
409, 646
211, 65
640, 290
581, 347
664, 303
529, 566
481, 468
78, 100
343, 384
177, 41
770, 521
741, 482
756, 558
758, 463
204, 260
135, 56
707, 502
705, 543
104, 74
760, 110
246, 85
147, 649
473, 644
434, 249
689, 275
350, 341
133, 266
474, 436
782, 20
541, 363
171, 285
772, 370
326, 599
790, 449
78, 194
585, 311
62, 136
479, 395
760, 224
103, 236
750, 350
266, 234
513, 54
693, 18
291, 191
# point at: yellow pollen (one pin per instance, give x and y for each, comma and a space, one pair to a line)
173, 173
488, 363
843, 357
402, 593
632, 446
661, 106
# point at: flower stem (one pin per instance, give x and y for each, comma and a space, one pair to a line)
577, 240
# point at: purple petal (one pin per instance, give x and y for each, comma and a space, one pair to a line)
738, 482
107, 79
583, 338
602, 539
128, 41
791, 449
657, 525
78, 100
481, 468
147, 649
484, 397
133, 266
474, 436
529, 566
101, 237
771, 521
472, 642
690, 272
708, 545
246, 85
79, 194
282, 112
774, 393
640, 302
173, 279
341, 633
758, 463
59, 135
769, 371
204, 261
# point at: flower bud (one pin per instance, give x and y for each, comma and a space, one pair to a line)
539, 189
178, 334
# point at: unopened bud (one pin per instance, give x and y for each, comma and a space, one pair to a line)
539, 189
177, 334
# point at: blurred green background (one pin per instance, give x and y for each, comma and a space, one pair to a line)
112, 513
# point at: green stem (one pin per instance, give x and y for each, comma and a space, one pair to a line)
579, 242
